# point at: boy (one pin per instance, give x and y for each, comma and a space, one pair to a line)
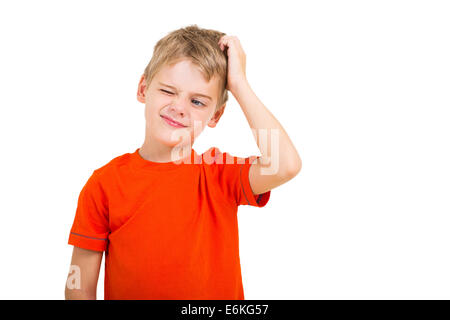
166, 220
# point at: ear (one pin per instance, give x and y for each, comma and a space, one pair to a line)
142, 89
215, 118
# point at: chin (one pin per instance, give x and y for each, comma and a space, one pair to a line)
172, 139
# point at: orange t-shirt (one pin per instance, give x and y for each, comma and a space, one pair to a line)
169, 231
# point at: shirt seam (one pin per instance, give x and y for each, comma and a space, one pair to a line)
242, 186
94, 238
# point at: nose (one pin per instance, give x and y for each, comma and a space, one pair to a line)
178, 107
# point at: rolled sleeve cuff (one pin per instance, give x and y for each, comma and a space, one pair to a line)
259, 200
98, 243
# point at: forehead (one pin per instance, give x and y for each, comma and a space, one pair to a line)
185, 76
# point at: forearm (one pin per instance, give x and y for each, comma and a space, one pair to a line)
83, 275
76, 294
263, 123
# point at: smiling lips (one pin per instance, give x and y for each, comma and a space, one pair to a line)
173, 123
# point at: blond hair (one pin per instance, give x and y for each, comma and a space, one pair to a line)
198, 45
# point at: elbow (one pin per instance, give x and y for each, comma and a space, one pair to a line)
292, 172
289, 173
294, 168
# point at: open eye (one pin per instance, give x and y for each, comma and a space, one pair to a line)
201, 104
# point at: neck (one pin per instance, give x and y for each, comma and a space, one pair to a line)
162, 153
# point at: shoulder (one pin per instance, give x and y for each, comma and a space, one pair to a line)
112, 165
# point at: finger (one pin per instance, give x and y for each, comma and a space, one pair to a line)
222, 45
226, 42
221, 39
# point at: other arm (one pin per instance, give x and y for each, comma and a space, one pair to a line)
82, 280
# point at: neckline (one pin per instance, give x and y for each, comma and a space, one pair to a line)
142, 164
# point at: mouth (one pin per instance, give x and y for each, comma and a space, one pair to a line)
172, 122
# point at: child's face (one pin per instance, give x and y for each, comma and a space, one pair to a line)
181, 102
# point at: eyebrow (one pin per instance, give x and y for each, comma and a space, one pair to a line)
197, 94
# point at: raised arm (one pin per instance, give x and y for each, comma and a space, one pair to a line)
280, 160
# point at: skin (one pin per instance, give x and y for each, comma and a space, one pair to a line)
89, 262
179, 103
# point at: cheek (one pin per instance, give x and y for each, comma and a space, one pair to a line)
158, 100
161, 99
154, 104
151, 112
200, 120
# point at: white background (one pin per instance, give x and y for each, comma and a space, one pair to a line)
361, 87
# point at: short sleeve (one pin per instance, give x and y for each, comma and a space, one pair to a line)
234, 180
90, 228
246, 196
